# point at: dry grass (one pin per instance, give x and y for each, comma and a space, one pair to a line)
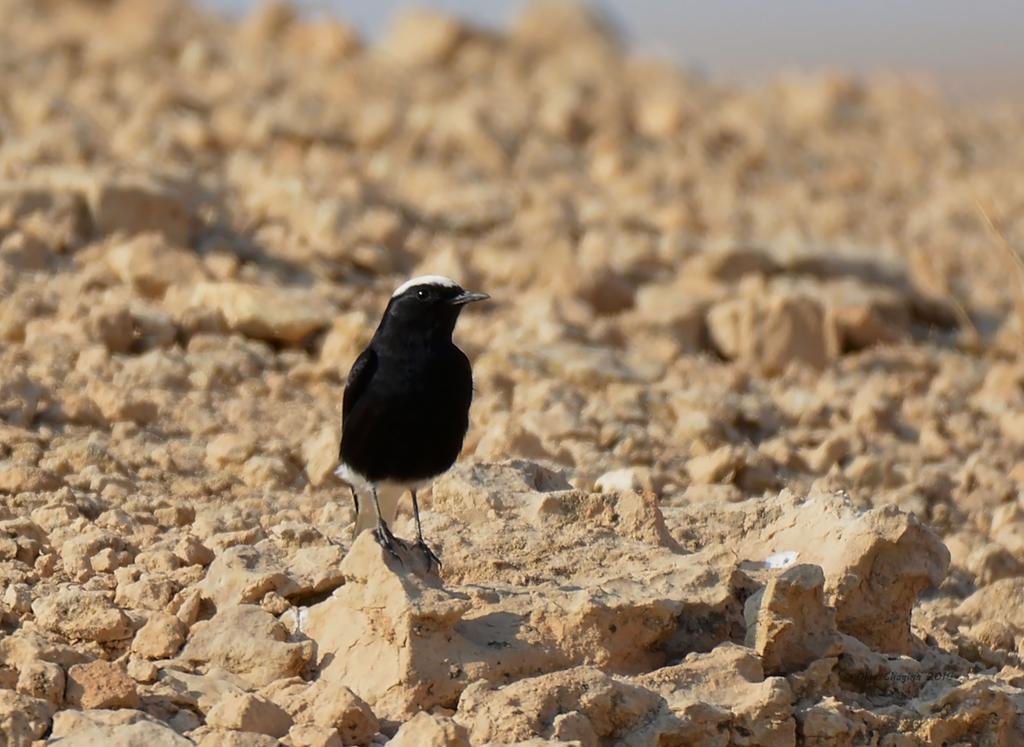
1016, 262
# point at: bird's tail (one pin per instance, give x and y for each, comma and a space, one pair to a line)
366, 517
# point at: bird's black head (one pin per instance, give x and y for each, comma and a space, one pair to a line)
426, 307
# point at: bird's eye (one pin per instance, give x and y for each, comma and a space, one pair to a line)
422, 294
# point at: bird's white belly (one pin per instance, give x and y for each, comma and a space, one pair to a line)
360, 483
388, 494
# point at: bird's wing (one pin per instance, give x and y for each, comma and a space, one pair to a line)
358, 379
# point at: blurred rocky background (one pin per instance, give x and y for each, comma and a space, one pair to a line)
748, 438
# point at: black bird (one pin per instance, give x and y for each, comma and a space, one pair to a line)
405, 410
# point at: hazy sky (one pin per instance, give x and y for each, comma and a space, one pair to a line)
970, 47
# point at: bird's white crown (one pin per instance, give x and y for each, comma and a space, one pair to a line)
424, 280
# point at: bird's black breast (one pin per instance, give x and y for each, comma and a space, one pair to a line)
405, 414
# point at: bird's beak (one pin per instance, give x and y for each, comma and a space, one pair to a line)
468, 297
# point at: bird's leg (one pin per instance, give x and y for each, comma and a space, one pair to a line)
355, 500
383, 534
424, 548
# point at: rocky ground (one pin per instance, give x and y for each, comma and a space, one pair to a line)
748, 437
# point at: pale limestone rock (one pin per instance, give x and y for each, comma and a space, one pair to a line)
150, 264
160, 638
198, 692
627, 479
142, 671
129, 728
772, 333
428, 730
1006, 595
723, 692
192, 551
321, 455
731, 264
876, 563
19, 397
24, 478
77, 552
248, 712
621, 622
600, 708
230, 449
82, 615
424, 37
788, 622
153, 591
243, 575
328, 705
23, 540
139, 204
23, 718
212, 736
311, 735
246, 641
261, 312
42, 679
101, 684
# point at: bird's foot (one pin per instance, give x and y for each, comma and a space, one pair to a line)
428, 555
387, 540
